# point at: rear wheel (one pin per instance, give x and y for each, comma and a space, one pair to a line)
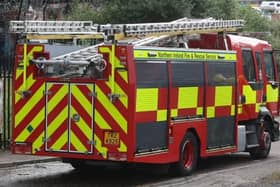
263, 150
188, 156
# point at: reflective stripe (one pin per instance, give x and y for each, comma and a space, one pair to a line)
210, 112
27, 108
271, 93
232, 112
250, 94
76, 142
114, 112
187, 97
122, 147
161, 115
146, 99
183, 55
223, 95
98, 146
199, 111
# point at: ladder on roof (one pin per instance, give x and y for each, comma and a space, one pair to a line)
184, 25
152, 31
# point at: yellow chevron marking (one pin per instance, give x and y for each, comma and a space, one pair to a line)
30, 82
55, 124
100, 121
122, 147
123, 75
38, 142
29, 56
61, 141
98, 146
27, 108
82, 125
57, 97
77, 143
123, 97
34, 123
115, 114
82, 99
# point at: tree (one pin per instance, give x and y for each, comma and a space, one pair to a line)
221, 9
133, 11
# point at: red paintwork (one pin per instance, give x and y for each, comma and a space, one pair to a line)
177, 130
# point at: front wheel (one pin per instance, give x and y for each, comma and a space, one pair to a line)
188, 156
263, 150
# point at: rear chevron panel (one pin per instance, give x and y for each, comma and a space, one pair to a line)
57, 116
71, 117
81, 130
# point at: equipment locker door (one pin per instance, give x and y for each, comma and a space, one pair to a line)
69, 117
81, 118
56, 121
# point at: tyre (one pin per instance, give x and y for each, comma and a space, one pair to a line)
263, 150
188, 156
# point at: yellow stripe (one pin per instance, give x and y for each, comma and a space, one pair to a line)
161, 115
123, 75
174, 112
210, 112
232, 111
250, 94
199, 111
30, 82
57, 97
123, 97
61, 141
102, 124
29, 56
146, 99
122, 147
28, 107
272, 94
56, 123
82, 125
223, 95
115, 114
77, 143
98, 146
187, 97
82, 99
183, 55
34, 123
38, 142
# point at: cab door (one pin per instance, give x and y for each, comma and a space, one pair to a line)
271, 85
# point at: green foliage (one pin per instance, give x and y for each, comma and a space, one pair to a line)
134, 11
221, 9
254, 21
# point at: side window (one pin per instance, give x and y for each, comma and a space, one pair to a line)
258, 58
269, 68
187, 74
150, 74
220, 74
248, 65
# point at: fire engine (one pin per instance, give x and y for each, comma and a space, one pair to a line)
160, 93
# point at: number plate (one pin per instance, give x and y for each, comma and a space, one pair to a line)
111, 138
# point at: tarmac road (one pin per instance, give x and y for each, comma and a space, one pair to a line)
229, 170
